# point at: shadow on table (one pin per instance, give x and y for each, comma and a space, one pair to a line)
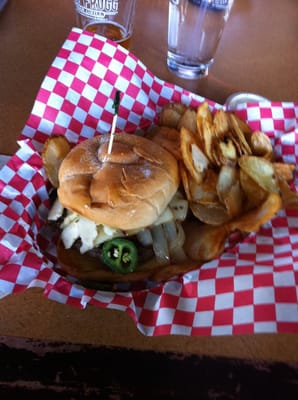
51, 370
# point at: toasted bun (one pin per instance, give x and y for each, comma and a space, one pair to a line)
127, 189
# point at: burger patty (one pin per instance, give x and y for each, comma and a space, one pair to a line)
145, 253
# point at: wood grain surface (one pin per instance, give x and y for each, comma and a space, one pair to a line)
47, 370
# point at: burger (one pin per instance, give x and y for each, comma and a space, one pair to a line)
120, 214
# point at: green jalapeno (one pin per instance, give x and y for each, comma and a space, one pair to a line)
120, 255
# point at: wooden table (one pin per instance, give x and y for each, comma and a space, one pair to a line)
258, 53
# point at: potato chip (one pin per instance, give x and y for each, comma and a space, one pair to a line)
233, 200
188, 120
226, 151
208, 138
211, 214
252, 220
199, 159
261, 171
229, 190
261, 145
185, 180
227, 177
168, 138
206, 131
284, 171
205, 192
204, 113
254, 193
194, 159
238, 131
289, 198
244, 128
221, 123
209, 243
54, 151
170, 114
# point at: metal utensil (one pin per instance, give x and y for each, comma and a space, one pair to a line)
242, 97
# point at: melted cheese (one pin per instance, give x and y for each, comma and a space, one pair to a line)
75, 226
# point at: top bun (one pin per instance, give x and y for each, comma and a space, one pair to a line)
127, 189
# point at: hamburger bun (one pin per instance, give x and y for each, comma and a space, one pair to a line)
127, 189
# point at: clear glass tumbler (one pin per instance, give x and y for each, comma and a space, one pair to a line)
194, 31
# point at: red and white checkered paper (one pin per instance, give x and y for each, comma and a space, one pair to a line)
250, 288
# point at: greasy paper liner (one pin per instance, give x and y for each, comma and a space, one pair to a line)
251, 288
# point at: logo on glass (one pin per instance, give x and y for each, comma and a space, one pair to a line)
97, 8
214, 4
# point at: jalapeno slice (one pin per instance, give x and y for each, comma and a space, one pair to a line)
120, 255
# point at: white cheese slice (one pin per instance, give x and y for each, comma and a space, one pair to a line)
87, 232
56, 211
92, 235
70, 234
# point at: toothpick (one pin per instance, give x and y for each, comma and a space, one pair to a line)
114, 122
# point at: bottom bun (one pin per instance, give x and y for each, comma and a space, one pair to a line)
86, 268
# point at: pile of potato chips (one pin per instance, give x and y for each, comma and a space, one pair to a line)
228, 171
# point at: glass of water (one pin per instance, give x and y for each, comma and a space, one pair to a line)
194, 31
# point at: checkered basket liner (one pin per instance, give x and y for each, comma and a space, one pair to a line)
251, 288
